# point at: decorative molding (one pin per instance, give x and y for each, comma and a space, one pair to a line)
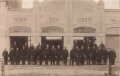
84, 30
20, 29
52, 29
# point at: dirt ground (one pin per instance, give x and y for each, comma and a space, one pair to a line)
37, 70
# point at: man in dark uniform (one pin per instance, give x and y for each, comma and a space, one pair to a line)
32, 53
102, 46
40, 55
82, 55
93, 54
99, 56
52, 54
11, 56
5, 56
23, 55
26, 46
65, 55
112, 56
77, 55
58, 53
35, 56
105, 56
17, 56
47, 54
29, 55
38, 45
72, 55
88, 55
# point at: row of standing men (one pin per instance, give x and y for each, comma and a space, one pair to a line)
78, 55
32, 55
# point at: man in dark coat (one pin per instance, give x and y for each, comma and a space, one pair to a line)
72, 56
40, 55
88, 55
102, 46
32, 53
47, 54
112, 56
94, 49
58, 53
26, 46
99, 56
82, 55
65, 55
17, 56
29, 56
77, 55
105, 56
23, 55
52, 54
12, 56
5, 56
35, 56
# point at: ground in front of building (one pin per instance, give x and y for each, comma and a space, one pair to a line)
37, 70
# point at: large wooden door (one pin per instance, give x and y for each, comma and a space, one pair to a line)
52, 41
112, 41
18, 41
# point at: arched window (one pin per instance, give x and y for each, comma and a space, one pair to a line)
84, 30
52, 29
20, 29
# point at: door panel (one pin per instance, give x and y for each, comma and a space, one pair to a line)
18, 41
112, 41
52, 42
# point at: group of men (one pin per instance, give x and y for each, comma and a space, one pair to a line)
34, 55
79, 55
92, 55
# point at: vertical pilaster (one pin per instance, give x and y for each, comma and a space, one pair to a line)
68, 40
37, 29
7, 43
100, 39
118, 51
3, 26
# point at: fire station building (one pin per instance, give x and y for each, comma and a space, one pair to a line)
61, 21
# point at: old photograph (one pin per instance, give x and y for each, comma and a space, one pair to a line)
59, 37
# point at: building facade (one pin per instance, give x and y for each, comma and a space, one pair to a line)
63, 21
14, 4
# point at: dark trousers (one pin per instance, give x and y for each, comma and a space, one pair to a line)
72, 61
52, 61
11, 60
23, 60
58, 60
17, 60
29, 60
65, 61
5, 60
40, 60
88, 60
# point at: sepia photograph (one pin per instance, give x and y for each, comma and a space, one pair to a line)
59, 37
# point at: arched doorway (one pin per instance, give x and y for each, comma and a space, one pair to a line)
113, 40
17, 40
54, 39
84, 40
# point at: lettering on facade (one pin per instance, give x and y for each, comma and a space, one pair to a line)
115, 20
84, 30
84, 19
20, 19
20, 29
53, 20
52, 29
